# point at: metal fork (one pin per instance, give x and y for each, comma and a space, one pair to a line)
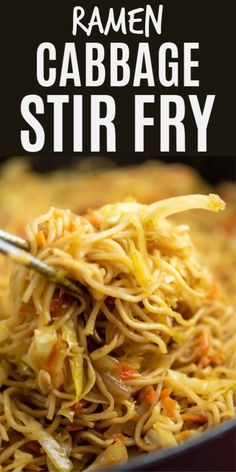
18, 249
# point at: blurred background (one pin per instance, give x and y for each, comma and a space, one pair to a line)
213, 169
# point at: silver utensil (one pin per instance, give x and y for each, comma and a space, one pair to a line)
18, 249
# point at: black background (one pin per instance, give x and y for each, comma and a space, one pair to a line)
25, 24
213, 169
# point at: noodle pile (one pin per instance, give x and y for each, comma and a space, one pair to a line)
25, 194
143, 359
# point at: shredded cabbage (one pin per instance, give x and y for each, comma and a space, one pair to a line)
114, 212
45, 339
69, 335
67, 413
21, 459
55, 451
76, 365
165, 436
201, 386
114, 454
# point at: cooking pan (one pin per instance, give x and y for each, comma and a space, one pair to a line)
214, 450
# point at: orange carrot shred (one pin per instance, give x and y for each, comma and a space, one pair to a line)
213, 290
228, 223
56, 305
72, 226
120, 438
204, 343
165, 393
90, 216
78, 408
150, 395
73, 427
170, 406
26, 308
33, 467
126, 372
40, 238
205, 361
215, 357
53, 356
184, 435
59, 301
200, 419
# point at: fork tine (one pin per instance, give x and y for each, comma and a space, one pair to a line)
57, 276
16, 240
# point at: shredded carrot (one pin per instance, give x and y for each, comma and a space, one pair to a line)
40, 238
184, 435
78, 408
170, 406
126, 372
120, 438
34, 447
53, 356
200, 419
210, 357
73, 427
215, 357
56, 305
90, 216
165, 393
228, 223
26, 308
72, 226
33, 467
150, 395
59, 301
213, 290
204, 343
205, 361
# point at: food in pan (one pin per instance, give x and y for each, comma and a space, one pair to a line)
25, 194
144, 359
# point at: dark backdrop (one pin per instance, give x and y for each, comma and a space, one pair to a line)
213, 169
26, 23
